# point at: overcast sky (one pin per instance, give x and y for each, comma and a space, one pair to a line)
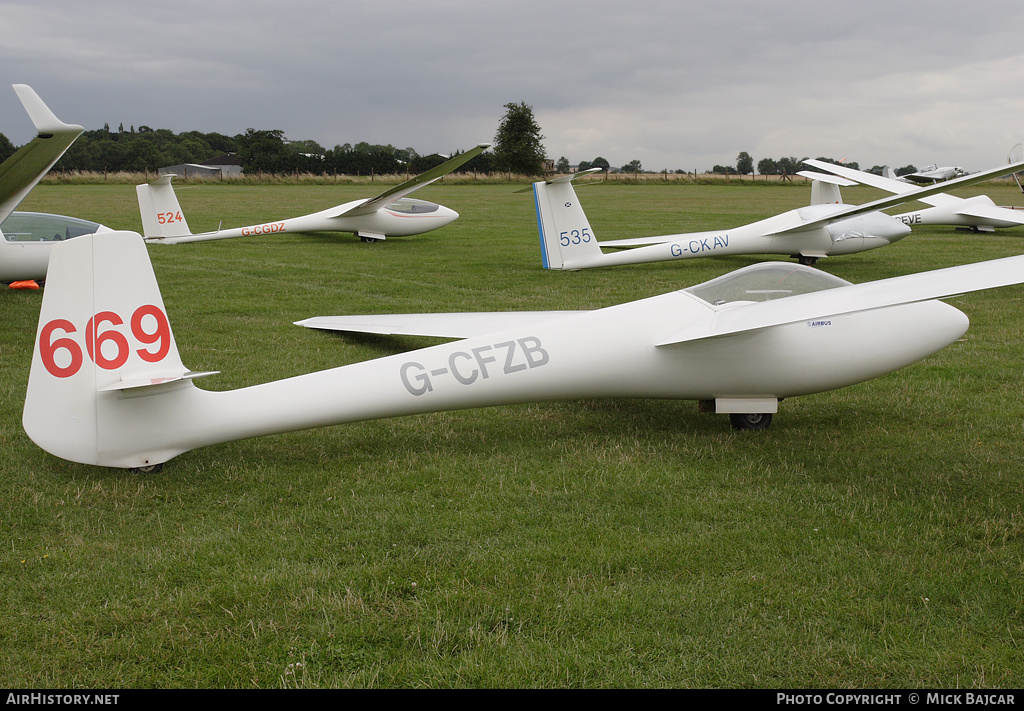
676, 85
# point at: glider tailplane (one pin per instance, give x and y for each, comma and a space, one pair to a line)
104, 352
566, 238
161, 214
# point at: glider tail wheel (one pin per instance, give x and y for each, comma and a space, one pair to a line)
750, 422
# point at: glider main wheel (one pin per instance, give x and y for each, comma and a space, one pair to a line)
808, 261
148, 469
750, 422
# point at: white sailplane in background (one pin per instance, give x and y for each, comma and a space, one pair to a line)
978, 213
809, 233
390, 214
26, 237
933, 174
107, 385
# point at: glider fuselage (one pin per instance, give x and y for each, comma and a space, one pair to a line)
23, 260
977, 212
107, 386
845, 236
407, 217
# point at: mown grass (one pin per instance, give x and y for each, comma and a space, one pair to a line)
871, 538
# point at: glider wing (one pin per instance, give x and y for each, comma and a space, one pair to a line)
23, 170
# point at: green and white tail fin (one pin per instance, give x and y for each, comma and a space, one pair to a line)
103, 343
566, 238
161, 214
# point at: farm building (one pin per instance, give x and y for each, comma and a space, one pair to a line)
222, 166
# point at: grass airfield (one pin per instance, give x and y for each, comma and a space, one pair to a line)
872, 537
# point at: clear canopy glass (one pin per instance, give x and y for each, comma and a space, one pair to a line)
412, 206
43, 227
764, 282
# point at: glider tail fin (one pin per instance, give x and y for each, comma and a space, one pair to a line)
823, 193
566, 238
161, 214
825, 187
105, 366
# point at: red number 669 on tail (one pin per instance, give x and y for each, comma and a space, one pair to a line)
105, 343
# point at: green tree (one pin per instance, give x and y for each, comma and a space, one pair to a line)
601, 163
562, 166
263, 151
632, 167
7, 148
517, 144
307, 147
789, 165
218, 142
744, 163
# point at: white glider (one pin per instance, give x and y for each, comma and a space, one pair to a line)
26, 237
107, 385
978, 213
934, 174
391, 213
822, 230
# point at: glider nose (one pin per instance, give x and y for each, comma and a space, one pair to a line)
893, 229
911, 332
887, 227
446, 215
875, 227
950, 323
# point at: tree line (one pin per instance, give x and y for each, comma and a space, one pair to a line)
791, 165
517, 148
259, 151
